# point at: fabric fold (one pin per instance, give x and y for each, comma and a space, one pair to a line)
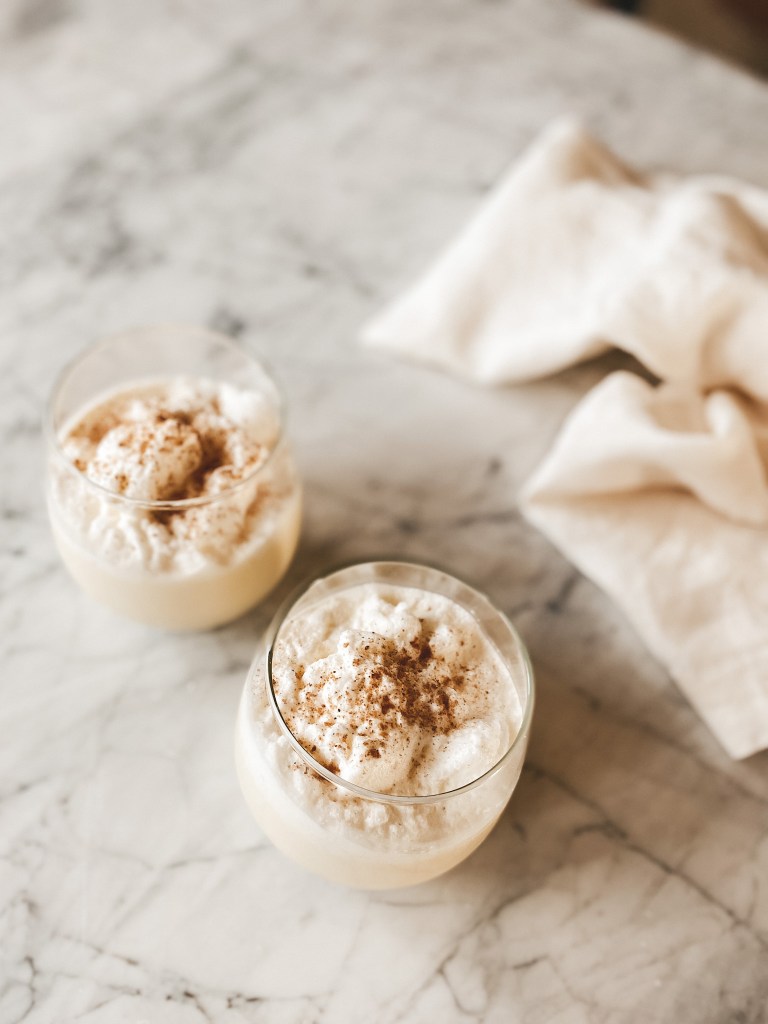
659, 496
657, 492
574, 253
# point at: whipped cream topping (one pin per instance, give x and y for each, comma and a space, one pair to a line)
166, 441
395, 689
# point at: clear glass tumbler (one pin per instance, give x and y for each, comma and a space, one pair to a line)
230, 548
337, 829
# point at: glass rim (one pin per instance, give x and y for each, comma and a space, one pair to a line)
397, 799
71, 367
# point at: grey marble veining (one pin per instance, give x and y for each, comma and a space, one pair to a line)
279, 170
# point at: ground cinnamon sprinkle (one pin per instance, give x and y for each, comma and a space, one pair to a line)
161, 437
375, 677
198, 463
397, 689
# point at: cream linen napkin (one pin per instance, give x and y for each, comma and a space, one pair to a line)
659, 494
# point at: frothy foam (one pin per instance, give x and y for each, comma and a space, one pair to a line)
166, 441
395, 689
352, 675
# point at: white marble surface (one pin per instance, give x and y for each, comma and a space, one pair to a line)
279, 170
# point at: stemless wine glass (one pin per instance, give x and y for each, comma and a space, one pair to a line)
103, 536
337, 829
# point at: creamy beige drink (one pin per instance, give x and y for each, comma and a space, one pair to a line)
175, 500
382, 737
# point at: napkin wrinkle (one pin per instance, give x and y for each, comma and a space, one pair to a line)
627, 435
656, 491
574, 254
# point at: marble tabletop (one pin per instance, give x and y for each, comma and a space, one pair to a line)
279, 171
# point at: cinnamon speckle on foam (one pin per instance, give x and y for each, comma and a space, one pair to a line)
400, 689
188, 439
178, 439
